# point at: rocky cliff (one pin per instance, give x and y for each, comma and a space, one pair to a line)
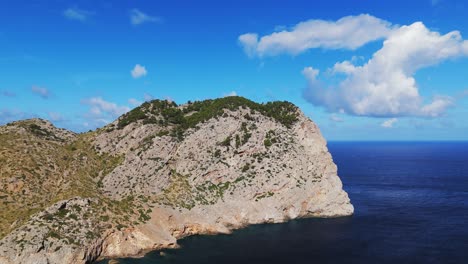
157, 174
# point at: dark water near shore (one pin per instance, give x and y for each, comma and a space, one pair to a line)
411, 206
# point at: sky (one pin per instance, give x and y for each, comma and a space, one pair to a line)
362, 70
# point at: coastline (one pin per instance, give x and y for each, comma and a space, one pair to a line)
144, 251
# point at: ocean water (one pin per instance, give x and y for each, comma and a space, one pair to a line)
411, 206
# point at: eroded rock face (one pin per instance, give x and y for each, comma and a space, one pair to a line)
238, 168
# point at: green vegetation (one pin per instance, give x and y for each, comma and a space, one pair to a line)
270, 139
283, 112
209, 193
246, 167
36, 130
264, 195
167, 113
245, 134
226, 142
238, 141
179, 193
53, 234
132, 116
62, 213
147, 112
162, 133
143, 216
182, 194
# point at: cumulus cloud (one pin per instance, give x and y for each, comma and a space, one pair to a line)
389, 123
249, 42
137, 17
438, 106
311, 74
138, 71
77, 14
41, 91
100, 108
349, 32
385, 85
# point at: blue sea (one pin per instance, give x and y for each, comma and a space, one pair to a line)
411, 206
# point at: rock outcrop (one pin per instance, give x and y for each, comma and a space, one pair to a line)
201, 168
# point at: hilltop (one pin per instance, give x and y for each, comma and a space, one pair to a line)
157, 174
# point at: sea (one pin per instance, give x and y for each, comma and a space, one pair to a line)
411, 206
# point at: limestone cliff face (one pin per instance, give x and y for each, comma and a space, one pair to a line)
250, 184
202, 168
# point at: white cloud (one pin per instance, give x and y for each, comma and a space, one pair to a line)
232, 93
343, 67
438, 106
310, 73
41, 91
389, 123
138, 71
137, 17
101, 107
349, 32
249, 42
134, 102
336, 118
76, 14
385, 85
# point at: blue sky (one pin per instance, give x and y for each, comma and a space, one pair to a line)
363, 70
